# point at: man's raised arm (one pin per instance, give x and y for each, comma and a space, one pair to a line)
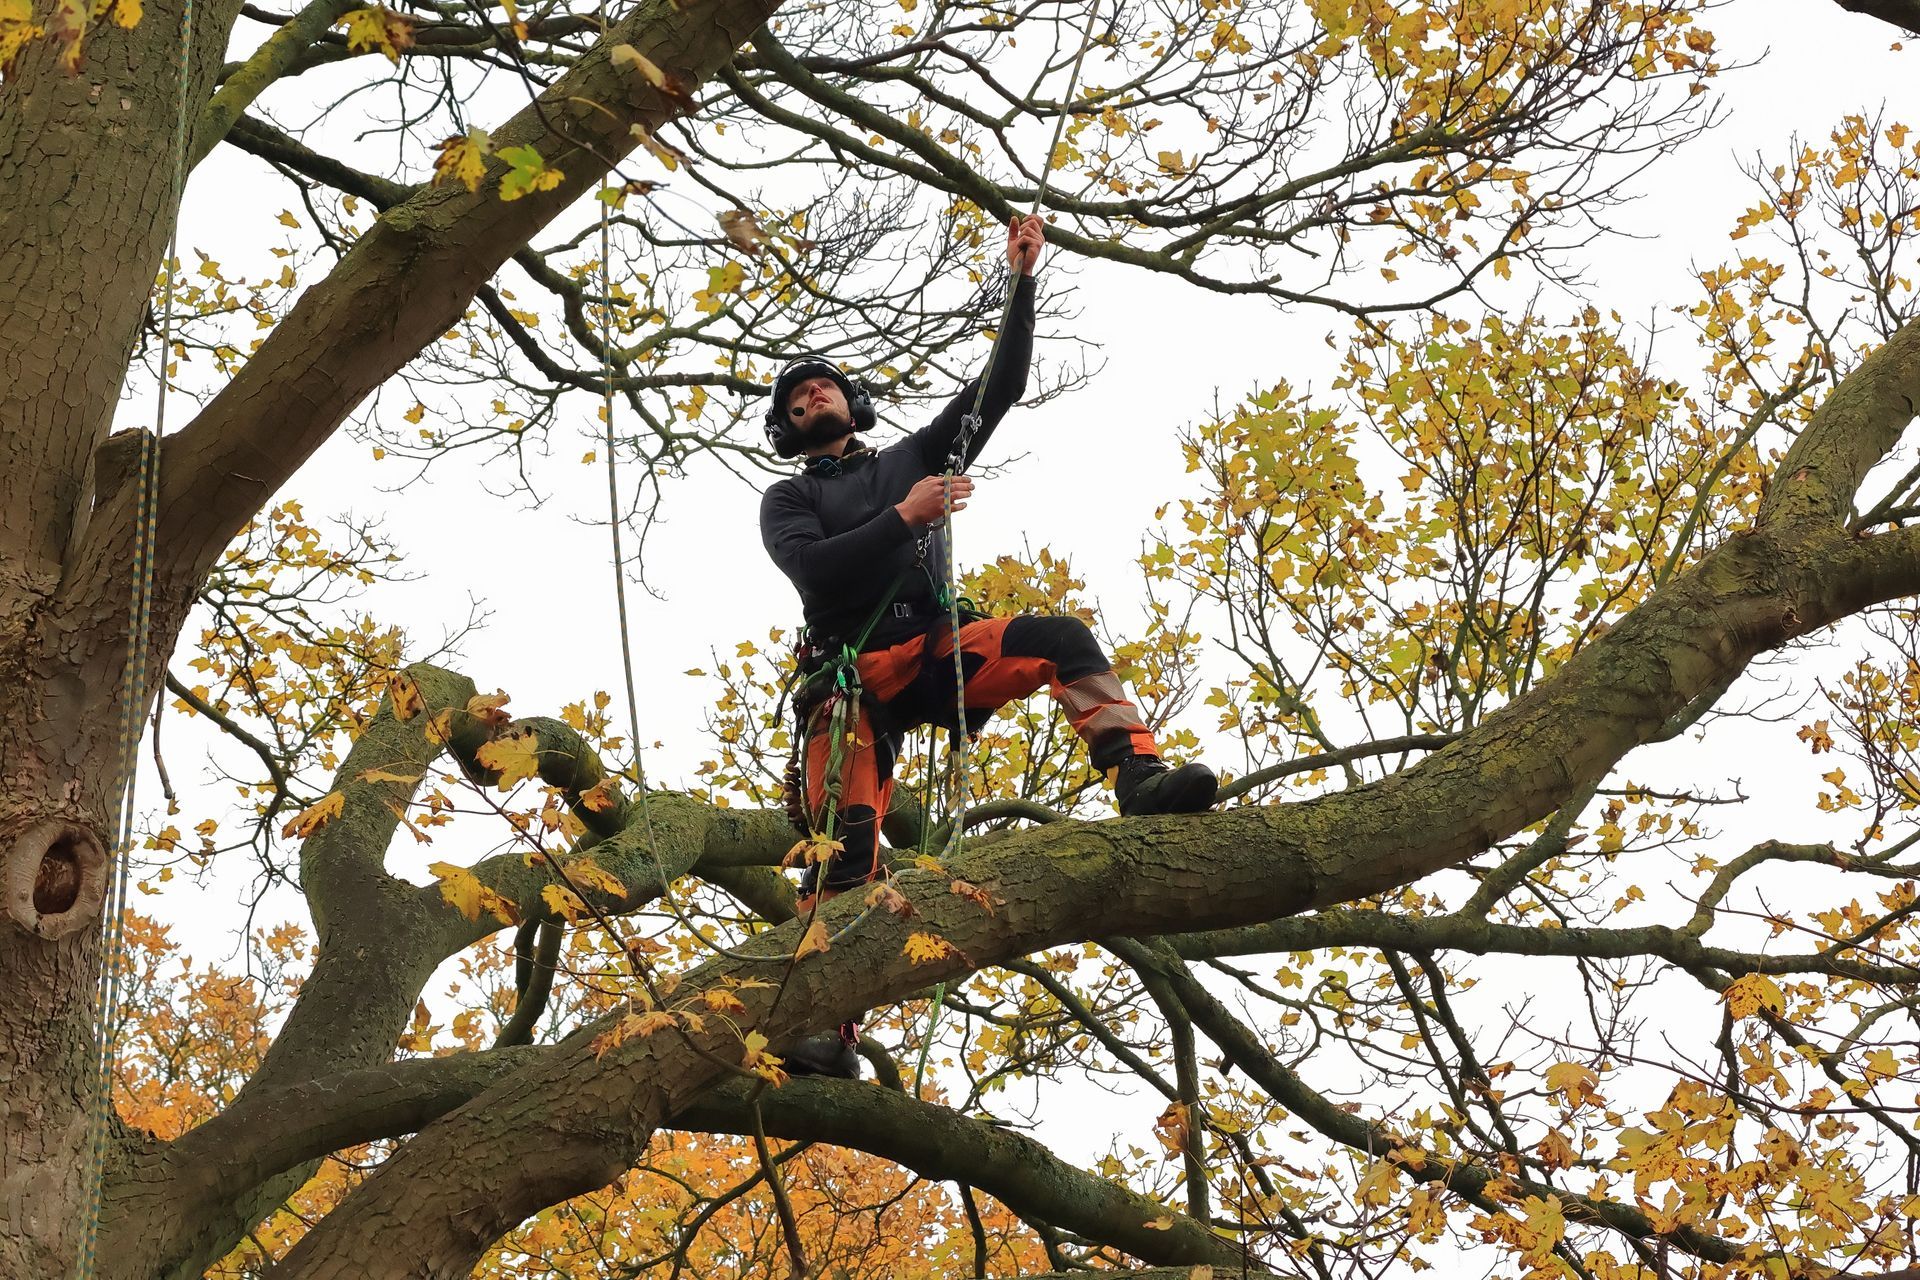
1008, 378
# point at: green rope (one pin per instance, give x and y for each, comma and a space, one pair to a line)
926, 1041
134, 705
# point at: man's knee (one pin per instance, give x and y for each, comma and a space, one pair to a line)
1065, 641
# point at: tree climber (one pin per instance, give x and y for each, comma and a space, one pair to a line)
858, 532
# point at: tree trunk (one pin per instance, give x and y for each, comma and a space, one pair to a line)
85, 160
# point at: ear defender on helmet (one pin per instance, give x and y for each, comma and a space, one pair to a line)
780, 433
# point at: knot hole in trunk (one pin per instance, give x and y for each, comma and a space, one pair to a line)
56, 875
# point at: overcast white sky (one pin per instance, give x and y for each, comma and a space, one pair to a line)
543, 572
1167, 349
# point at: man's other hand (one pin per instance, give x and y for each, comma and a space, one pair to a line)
1024, 239
926, 503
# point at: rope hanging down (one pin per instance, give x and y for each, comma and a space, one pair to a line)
134, 705
959, 765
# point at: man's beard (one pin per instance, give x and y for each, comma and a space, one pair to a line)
824, 428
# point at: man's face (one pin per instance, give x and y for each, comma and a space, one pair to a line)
818, 411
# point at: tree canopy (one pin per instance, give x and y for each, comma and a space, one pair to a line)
1478, 965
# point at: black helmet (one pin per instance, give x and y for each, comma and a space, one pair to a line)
780, 433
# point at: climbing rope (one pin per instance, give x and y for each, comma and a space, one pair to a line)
959, 763
639, 770
133, 707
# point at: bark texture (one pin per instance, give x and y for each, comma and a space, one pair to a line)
85, 160
567, 1123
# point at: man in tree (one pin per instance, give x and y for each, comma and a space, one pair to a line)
858, 533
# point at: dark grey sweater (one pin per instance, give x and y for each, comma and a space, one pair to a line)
833, 529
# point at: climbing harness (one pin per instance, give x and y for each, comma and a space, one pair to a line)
133, 708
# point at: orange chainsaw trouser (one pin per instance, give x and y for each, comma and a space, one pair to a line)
910, 684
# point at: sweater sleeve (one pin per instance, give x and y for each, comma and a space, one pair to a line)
936, 441
817, 564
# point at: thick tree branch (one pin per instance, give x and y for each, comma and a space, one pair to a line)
1071, 881
1904, 14
273, 59
943, 1145
1854, 427
402, 284
286, 1127
73, 289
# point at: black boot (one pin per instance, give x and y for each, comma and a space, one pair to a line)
829, 1053
1144, 784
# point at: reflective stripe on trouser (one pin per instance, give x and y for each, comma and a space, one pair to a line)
1005, 659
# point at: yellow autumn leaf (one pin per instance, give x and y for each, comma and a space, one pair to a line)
514, 756
67, 25
407, 699
564, 903
813, 941
464, 892
377, 28
490, 708
315, 816
514, 19
757, 1060
1174, 1128
925, 948
587, 873
628, 58
1749, 994
17, 28
665, 153
721, 280
1575, 1080
633, 1024
462, 159
1555, 1151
